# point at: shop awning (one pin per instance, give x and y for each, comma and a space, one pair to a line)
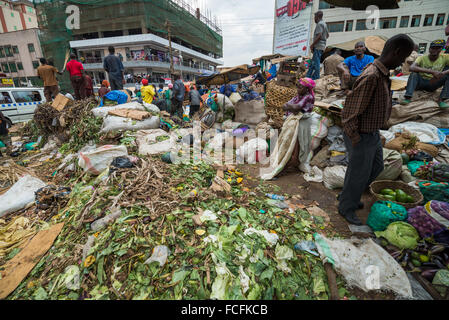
233, 74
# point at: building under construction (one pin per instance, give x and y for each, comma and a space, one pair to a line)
130, 26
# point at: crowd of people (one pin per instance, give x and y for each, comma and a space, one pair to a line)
367, 86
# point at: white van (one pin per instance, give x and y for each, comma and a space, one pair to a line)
18, 104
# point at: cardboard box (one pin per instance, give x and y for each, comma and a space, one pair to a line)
60, 102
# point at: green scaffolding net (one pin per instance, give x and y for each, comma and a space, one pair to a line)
188, 27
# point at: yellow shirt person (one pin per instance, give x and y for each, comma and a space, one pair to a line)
147, 91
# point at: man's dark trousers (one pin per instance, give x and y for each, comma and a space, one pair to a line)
116, 84
416, 82
365, 164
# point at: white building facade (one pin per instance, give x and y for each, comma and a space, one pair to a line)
144, 54
423, 20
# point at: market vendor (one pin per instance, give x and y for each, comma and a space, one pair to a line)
331, 63
367, 110
303, 102
104, 89
147, 92
351, 68
430, 72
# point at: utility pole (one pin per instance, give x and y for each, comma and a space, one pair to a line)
168, 26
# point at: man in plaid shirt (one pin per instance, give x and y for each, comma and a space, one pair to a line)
367, 110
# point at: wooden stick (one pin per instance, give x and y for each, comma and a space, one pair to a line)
427, 286
332, 281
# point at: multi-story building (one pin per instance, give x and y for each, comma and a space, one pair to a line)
138, 29
423, 20
144, 54
19, 42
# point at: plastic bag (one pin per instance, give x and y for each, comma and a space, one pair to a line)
250, 149
413, 166
103, 222
425, 132
358, 261
316, 175
434, 190
71, 277
422, 156
151, 107
440, 172
401, 235
148, 144
334, 177
99, 159
20, 195
235, 97
112, 123
441, 281
160, 254
122, 162
383, 213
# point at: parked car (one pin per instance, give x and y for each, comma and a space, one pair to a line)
19, 104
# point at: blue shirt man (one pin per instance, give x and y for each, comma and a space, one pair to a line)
357, 65
353, 66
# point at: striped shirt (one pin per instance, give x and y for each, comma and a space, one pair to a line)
368, 108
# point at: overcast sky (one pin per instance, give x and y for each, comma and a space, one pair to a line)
247, 28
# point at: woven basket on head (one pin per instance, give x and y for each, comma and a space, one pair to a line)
378, 186
275, 97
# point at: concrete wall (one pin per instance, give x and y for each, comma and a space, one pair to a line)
16, 18
21, 39
419, 34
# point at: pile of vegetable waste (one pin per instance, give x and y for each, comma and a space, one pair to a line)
142, 233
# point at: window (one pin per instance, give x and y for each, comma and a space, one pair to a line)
360, 25
336, 26
416, 21
15, 49
31, 47
30, 9
422, 48
15, 28
5, 98
349, 25
19, 66
8, 50
325, 5
440, 19
428, 20
404, 22
387, 23
26, 96
12, 14
2, 52
35, 64
29, 19
5, 67
12, 67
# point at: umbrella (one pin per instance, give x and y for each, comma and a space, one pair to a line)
363, 4
229, 75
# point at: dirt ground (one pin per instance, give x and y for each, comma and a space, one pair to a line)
291, 182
